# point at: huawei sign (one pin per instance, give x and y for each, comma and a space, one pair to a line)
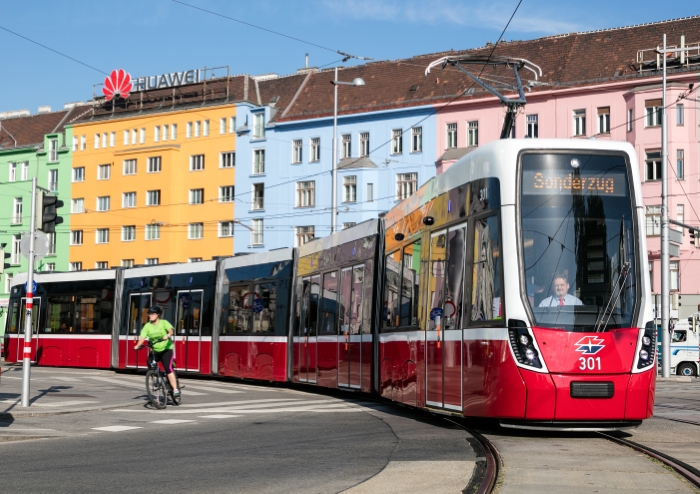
117, 84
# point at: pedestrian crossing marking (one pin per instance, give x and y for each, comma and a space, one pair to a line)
217, 416
171, 421
115, 428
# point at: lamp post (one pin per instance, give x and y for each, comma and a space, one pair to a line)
358, 81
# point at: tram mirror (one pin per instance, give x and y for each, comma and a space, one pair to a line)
399, 237
428, 220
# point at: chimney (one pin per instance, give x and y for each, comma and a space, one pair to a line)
43, 109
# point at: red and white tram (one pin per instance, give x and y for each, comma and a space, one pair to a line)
512, 286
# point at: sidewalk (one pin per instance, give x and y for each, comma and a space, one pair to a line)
54, 391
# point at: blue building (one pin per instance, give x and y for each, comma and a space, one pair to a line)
386, 150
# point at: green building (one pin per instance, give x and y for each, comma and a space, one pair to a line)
33, 146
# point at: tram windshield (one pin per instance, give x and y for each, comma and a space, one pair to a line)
578, 241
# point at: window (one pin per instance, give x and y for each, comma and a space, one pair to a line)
17, 211
152, 231
173, 132
222, 126
258, 196
579, 122
104, 139
653, 166
417, 140
315, 149
306, 194
257, 232
127, 263
195, 231
129, 200
304, 234
401, 287
126, 137
52, 243
226, 193
350, 188
188, 130
370, 193
680, 167
16, 250
104, 172
364, 144
396, 141
232, 125
451, 135
129, 167
112, 139
225, 228
349, 224
153, 164
53, 180
166, 131
77, 205
97, 141
227, 159
675, 277
50, 267
296, 151
76, 266
83, 143
156, 133
25, 170
630, 120
102, 236
74, 146
101, 265
134, 136
129, 233
205, 128
53, 150
196, 196
196, 162
680, 118
406, 184
473, 133
142, 136
103, 203
197, 128
79, 174
604, 120
8, 282
13, 172
151, 261
680, 215
486, 302
258, 126
653, 220
346, 146
194, 259
258, 161
532, 127
652, 113
76, 237
153, 198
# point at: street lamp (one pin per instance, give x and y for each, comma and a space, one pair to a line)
358, 81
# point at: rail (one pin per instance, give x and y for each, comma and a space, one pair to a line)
486, 471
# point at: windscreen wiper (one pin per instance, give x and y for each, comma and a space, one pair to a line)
612, 301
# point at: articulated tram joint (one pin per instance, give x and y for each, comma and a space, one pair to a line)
522, 343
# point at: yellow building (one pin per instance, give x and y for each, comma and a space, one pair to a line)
154, 183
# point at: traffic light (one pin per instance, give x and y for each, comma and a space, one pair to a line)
694, 237
47, 216
3, 255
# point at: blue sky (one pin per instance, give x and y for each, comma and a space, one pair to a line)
150, 37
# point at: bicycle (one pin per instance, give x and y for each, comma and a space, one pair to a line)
157, 384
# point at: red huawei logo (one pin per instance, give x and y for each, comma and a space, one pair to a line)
118, 83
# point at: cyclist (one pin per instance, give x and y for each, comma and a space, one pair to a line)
160, 332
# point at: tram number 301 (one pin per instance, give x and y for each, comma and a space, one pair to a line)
589, 363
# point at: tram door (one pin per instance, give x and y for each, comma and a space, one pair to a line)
139, 303
444, 334
188, 329
350, 341
307, 334
36, 313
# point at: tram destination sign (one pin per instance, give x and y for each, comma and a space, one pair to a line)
550, 182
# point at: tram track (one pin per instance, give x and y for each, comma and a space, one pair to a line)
486, 471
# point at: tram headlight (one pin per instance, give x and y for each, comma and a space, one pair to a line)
644, 355
646, 341
530, 354
524, 340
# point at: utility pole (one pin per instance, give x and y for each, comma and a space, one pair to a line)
27, 353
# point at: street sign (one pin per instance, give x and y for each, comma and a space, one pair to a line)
33, 286
41, 245
674, 250
435, 312
675, 236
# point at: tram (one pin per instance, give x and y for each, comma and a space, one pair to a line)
512, 286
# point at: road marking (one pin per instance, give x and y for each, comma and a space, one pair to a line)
13, 429
239, 402
68, 379
217, 416
215, 390
115, 428
171, 421
315, 406
136, 385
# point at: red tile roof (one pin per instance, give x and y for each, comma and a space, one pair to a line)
29, 131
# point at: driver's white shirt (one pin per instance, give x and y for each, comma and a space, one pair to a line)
554, 301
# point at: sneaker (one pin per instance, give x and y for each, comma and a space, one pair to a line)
176, 393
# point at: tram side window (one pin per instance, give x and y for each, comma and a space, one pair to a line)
60, 314
238, 316
91, 316
14, 318
327, 323
392, 283
486, 293
402, 274
264, 307
454, 277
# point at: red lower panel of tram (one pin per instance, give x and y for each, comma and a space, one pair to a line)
253, 357
63, 351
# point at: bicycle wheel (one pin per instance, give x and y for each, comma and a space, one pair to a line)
176, 399
155, 387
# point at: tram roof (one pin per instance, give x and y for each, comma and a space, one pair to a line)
276, 255
166, 269
361, 230
498, 159
102, 274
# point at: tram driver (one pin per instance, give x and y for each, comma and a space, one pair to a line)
560, 287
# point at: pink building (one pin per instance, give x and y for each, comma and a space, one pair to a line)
606, 85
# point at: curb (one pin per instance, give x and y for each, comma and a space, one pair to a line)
677, 379
21, 413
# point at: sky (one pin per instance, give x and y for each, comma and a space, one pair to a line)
151, 37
